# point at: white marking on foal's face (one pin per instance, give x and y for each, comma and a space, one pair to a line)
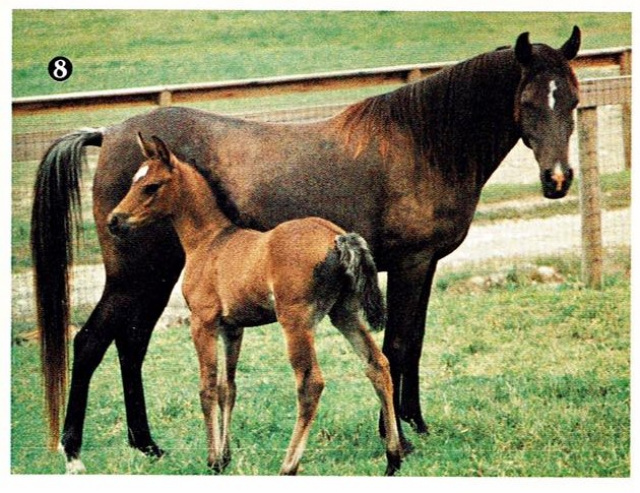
552, 98
141, 173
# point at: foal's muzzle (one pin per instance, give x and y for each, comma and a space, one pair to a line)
117, 224
556, 181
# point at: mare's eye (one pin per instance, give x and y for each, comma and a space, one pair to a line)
151, 189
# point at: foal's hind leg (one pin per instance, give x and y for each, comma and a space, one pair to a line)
349, 323
302, 356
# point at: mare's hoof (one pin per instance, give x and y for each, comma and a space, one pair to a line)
417, 423
152, 451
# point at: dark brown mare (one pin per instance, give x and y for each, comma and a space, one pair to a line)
404, 169
297, 273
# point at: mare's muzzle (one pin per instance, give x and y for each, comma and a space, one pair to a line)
556, 181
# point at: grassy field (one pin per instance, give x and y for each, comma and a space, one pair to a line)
523, 380
120, 49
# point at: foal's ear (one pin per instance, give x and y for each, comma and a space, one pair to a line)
163, 152
523, 49
148, 150
570, 48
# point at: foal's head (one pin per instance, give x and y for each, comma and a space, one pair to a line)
545, 100
151, 195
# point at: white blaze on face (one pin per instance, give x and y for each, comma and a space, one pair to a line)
552, 98
140, 173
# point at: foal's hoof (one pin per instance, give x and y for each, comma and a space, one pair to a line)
394, 460
219, 465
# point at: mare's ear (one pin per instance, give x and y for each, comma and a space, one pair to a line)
570, 48
163, 151
523, 49
148, 150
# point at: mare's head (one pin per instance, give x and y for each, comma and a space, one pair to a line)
151, 194
544, 104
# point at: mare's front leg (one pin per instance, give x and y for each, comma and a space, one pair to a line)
298, 332
204, 333
408, 289
132, 342
232, 337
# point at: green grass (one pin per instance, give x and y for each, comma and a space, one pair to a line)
118, 49
525, 380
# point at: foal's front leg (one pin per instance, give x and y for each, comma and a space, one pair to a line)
205, 338
232, 337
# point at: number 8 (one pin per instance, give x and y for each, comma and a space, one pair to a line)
60, 72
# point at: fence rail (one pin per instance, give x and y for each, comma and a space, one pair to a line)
593, 92
619, 58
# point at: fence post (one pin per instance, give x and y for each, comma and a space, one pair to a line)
590, 197
625, 69
165, 98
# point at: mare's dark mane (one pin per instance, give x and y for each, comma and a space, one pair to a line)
450, 117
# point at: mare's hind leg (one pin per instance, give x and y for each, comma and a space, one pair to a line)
232, 337
302, 356
126, 313
138, 286
349, 323
89, 346
142, 311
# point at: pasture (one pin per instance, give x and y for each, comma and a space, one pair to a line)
521, 379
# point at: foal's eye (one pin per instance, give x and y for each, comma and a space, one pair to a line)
151, 189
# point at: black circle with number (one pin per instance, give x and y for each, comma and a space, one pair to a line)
60, 68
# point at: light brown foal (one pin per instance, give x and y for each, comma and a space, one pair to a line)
296, 273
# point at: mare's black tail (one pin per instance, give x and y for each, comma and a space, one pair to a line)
56, 207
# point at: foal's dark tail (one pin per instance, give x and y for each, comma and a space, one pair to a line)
360, 269
56, 207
